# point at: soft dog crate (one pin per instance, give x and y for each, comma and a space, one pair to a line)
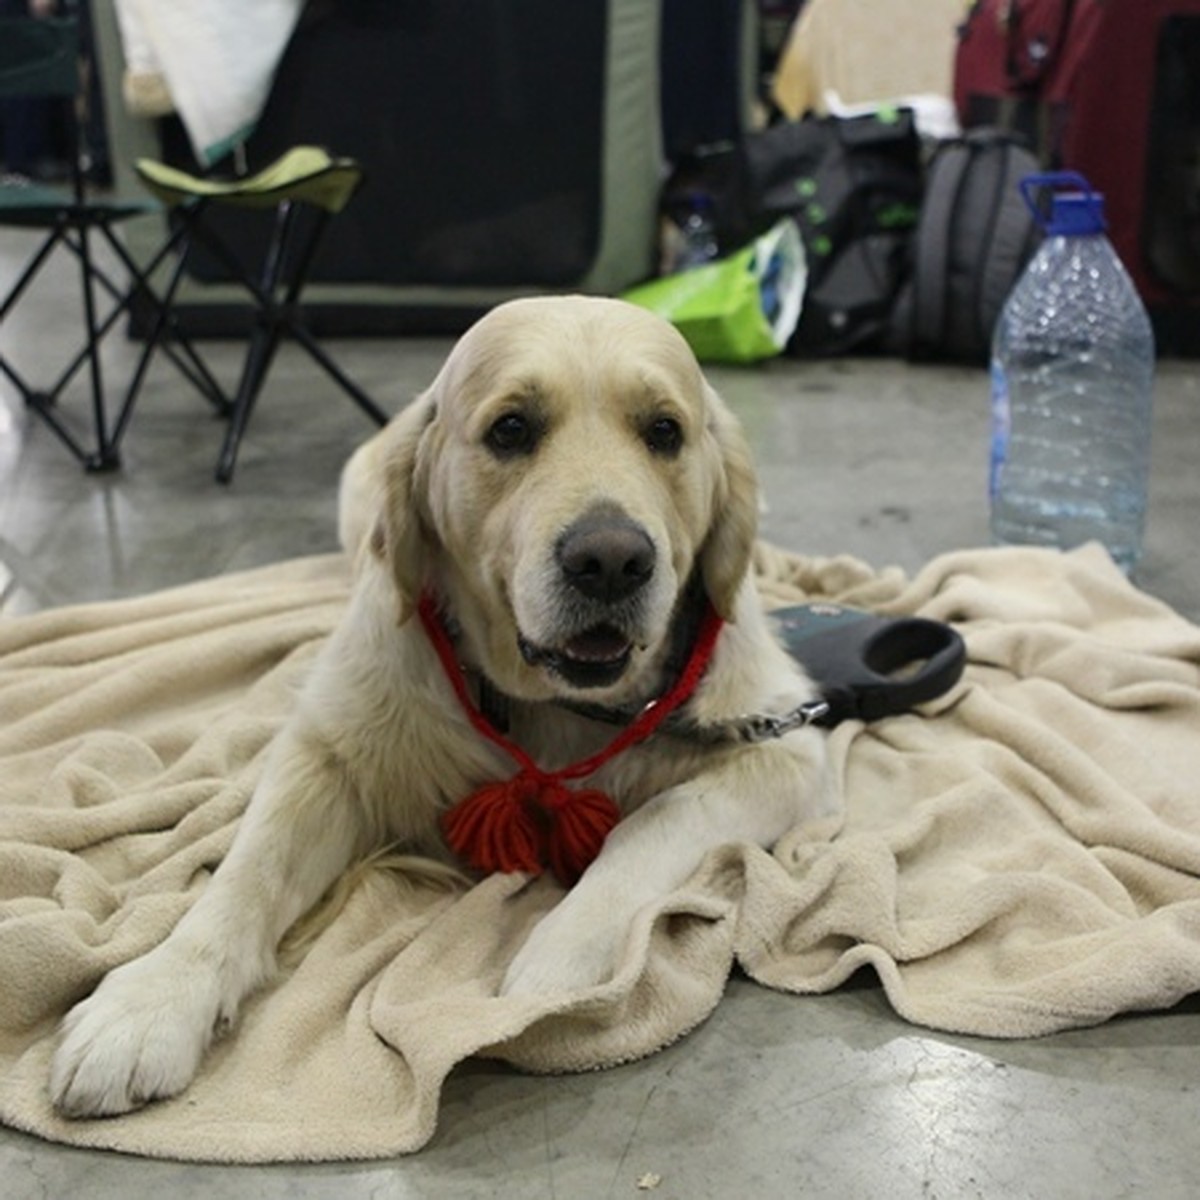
508, 149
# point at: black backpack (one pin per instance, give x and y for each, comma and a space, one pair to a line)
974, 237
853, 187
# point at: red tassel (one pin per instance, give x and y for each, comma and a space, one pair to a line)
496, 828
582, 820
534, 820
527, 822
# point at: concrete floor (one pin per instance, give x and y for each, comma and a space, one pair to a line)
775, 1095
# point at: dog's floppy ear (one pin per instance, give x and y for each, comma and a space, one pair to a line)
398, 536
726, 553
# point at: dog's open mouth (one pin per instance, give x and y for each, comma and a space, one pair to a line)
594, 658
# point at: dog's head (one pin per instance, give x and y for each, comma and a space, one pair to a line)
565, 476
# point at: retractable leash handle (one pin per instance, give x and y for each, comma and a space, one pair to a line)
869, 666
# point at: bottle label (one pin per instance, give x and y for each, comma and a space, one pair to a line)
1001, 427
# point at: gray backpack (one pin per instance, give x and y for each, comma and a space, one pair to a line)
973, 239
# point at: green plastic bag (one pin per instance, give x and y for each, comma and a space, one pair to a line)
741, 308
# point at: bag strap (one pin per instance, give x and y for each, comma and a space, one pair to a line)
934, 238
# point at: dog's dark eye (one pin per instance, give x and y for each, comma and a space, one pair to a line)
513, 433
664, 435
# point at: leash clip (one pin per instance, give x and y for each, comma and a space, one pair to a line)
763, 728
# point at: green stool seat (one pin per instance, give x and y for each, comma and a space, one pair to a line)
307, 174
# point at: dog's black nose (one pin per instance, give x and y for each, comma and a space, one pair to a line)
606, 557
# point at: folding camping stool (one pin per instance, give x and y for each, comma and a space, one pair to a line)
304, 177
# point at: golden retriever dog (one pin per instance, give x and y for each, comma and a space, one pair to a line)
574, 497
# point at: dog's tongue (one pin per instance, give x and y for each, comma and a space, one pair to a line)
600, 645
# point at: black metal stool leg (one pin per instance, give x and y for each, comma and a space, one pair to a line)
291, 318
104, 458
263, 342
166, 331
159, 333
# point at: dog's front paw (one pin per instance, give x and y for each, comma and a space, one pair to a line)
574, 946
139, 1037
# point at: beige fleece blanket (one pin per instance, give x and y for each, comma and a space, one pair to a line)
1022, 857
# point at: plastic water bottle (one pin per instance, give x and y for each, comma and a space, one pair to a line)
697, 227
1072, 386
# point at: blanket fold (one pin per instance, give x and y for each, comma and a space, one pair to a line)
1019, 857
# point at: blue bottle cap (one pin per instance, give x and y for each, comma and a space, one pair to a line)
1075, 207
1076, 212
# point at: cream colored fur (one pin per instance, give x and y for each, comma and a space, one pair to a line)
377, 746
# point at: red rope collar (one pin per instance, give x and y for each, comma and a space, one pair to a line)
533, 820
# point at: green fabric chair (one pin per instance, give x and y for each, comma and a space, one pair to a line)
40, 58
304, 177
